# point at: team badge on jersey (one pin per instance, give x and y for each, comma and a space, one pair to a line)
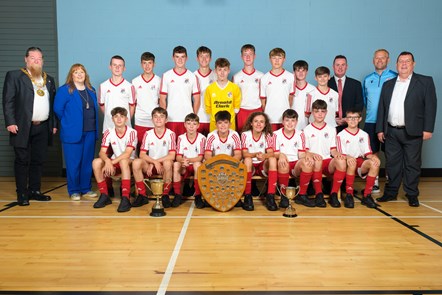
152, 87
257, 81
261, 145
229, 94
284, 81
123, 91
164, 143
186, 81
330, 99
326, 135
361, 140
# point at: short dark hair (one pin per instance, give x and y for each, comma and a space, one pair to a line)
247, 46
322, 70
33, 49
339, 57
300, 64
148, 56
222, 63
179, 49
159, 110
192, 117
203, 49
405, 53
119, 110
117, 57
319, 104
353, 110
277, 52
223, 116
290, 113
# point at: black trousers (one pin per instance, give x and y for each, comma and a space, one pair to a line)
28, 164
403, 162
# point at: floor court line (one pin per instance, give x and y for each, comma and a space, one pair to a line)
216, 217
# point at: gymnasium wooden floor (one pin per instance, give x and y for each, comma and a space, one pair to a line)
65, 247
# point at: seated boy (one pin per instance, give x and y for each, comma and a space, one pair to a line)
190, 153
320, 143
257, 150
354, 143
157, 153
123, 140
290, 152
223, 140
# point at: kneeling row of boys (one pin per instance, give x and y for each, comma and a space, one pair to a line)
278, 155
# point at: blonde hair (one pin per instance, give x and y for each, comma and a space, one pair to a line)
70, 79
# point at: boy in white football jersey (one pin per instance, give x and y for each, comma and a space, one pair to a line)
178, 85
325, 93
190, 154
303, 92
157, 153
290, 152
277, 89
123, 140
147, 93
320, 143
248, 80
257, 151
116, 92
205, 77
354, 143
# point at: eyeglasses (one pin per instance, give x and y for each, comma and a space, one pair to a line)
353, 118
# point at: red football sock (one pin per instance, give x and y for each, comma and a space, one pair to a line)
197, 187
248, 189
283, 180
338, 177
273, 179
166, 189
177, 187
317, 181
102, 187
304, 180
141, 188
369, 185
125, 188
349, 183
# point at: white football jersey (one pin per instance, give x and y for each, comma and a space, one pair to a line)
257, 145
115, 95
300, 100
119, 144
331, 97
355, 145
204, 81
219, 147
249, 84
147, 95
189, 149
320, 140
158, 145
289, 146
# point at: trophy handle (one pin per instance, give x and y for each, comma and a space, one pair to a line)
146, 182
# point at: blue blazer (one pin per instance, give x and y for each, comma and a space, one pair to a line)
69, 109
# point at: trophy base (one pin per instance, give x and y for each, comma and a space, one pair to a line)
157, 212
290, 215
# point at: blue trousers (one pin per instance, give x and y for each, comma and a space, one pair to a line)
78, 158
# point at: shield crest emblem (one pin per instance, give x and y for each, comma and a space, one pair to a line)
222, 181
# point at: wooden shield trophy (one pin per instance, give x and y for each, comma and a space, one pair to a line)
222, 181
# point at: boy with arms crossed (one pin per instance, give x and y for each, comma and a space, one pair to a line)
354, 144
248, 80
157, 154
178, 85
320, 143
290, 152
277, 89
190, 154
123, 140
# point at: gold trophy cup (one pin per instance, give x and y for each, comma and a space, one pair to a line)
157, 188
290, 211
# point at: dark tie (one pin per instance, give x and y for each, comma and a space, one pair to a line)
340, 98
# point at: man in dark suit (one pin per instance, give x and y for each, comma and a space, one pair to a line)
28, 96
406, 117
349, 90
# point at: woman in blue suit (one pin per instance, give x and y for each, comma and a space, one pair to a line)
76, 107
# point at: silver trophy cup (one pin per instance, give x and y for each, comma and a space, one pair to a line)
157, 188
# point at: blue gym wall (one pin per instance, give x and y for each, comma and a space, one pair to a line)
90, 32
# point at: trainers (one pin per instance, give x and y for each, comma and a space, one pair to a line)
304, 200
165, 199
369, 202
284, 202
75, 197
376, 189
103, 200
176, 200
319, 200
90, 194
140, 201
124, 205
248, 203
270, 202
349, 201
199, 203
333, 200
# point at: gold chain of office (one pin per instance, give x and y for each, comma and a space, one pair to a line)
40, 91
